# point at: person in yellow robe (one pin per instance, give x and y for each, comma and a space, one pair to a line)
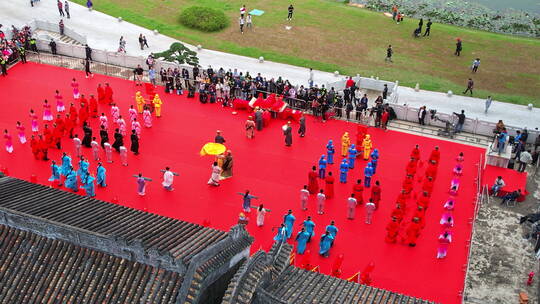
140, 102
367, 144
157, 105
345, 143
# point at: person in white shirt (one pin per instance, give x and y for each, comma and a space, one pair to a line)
77, 142
498, 185
370, 208
351, 207
241, 21
242, 11
249, 24
304, 195
168, 178
525, 158
320, 201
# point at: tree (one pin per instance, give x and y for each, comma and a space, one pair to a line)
180, 54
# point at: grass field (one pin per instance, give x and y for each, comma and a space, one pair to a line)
330, 36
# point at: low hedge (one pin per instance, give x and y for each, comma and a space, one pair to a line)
205, 19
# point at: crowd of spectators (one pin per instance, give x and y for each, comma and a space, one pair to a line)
21, 40
223, 86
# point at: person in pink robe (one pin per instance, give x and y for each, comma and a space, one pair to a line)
34, 121
135, 125
132, 113
75, 86
121, 125
9, 142
445, 239
60, 107
20, 130
447, 220
147, 117
115, 112
47, 114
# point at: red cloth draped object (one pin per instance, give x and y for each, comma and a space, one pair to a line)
336, 268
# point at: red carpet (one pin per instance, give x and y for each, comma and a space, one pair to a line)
270, 170
513, 179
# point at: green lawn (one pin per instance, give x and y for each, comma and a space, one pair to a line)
330, 36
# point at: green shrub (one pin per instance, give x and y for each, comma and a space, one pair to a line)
205, 19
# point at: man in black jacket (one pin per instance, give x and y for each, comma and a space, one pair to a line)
88, 52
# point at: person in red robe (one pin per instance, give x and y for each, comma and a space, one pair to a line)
43, 148
48, 137
313, 185
423, 200
384, 119
57, 137
34, 144
398, 213
73, 113
376, 194
101, 94
266, 117
408, 184
431, 170
412, 232
415, 153
411, 167
83, 112
108, 94
420, 213
329, 185
435, 155
428, 185
69, 125
402, 197
93, 106
59, 122
392, 231
358, 190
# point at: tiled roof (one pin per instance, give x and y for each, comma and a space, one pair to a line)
37, 269
178, 239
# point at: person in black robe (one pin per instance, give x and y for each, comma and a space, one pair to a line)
87, 139
104, 136
302, 129
134, 142
287, 131
118, 140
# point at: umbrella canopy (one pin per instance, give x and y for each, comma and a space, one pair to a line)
213, 149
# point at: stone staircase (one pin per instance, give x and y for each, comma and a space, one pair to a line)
48, 35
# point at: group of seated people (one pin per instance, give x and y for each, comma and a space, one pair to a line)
508, 196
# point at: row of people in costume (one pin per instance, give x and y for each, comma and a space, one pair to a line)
65, 174
306, 233
447, 218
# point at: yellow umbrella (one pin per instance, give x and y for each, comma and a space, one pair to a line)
213, 149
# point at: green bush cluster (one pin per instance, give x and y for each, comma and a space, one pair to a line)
205, 19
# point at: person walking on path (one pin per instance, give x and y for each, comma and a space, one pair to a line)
66, 9
290, 10
488, 104
61, 27
249, 23
60, 8
310, 79
389, 53
459, 47
470, 86
241, 21
428, 28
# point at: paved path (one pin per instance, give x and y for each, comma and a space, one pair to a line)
103, 32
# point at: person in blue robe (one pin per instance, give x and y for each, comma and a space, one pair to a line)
310, 227
101, 175
66, 164
374, 160
246, 200
368, 173
83, 169
55, 173
333, 230
71, 180
343, 169
330, 151
302, 238
326, 243
281, 235
322, 166
288, 220
88, 185
352, 156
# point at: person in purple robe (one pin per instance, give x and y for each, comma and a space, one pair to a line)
141, 183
